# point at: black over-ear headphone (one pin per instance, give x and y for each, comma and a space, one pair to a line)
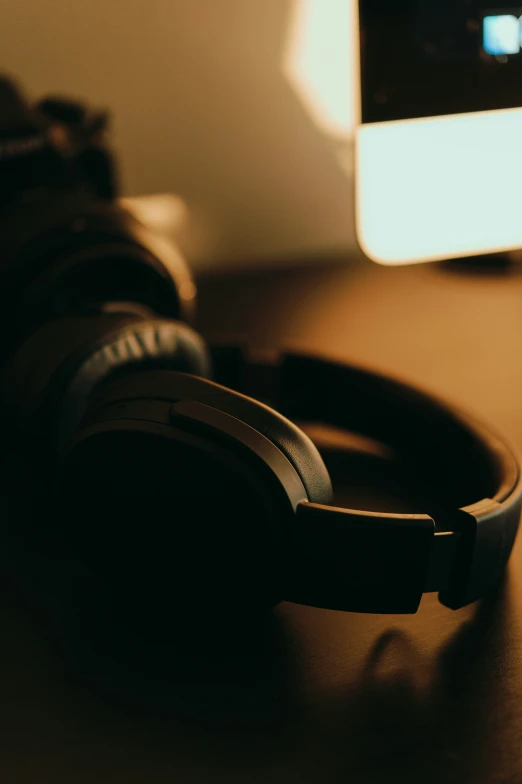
167, 484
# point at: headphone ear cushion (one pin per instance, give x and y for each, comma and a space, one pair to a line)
58, 367
290, 439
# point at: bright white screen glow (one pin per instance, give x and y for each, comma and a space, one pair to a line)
440, 188
426, 189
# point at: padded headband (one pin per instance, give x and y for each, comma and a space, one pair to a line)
370, 562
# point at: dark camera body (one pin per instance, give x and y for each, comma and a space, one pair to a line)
69, 256
89, 294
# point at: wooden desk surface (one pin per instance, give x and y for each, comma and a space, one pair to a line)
315, 696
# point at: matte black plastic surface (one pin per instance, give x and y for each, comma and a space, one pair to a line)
233, 428
290, 439
358, 561
174, 512
488, 532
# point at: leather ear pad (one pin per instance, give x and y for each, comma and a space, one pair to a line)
57, 368
295, 444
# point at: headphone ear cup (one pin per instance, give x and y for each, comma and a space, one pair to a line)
169, 509
51, 378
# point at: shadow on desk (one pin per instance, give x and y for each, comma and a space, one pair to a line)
405, 722
226, 698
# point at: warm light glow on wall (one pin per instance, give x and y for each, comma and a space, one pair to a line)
321, 62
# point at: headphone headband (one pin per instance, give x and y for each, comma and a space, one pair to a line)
383, 563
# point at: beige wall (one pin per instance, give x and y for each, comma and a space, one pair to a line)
201, 108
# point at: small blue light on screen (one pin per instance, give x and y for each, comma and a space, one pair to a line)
501, 35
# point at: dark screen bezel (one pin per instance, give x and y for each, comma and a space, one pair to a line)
399, 83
